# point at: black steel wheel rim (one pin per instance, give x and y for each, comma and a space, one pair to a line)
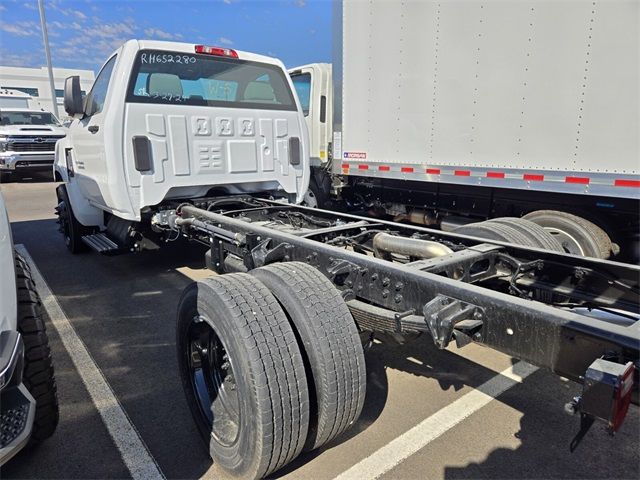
213, 382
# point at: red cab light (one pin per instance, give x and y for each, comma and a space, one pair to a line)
218, 51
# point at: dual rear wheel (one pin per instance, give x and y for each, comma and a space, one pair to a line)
271, 363
548, 229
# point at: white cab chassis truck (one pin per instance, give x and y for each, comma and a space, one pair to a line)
446, 113
147, 133
178, 140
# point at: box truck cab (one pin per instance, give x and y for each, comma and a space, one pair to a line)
314, 86
167, 120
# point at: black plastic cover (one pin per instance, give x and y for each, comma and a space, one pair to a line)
294, 150
142, 154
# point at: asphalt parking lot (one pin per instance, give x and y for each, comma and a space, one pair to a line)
428, 413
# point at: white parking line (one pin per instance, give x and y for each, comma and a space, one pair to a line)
387, 457
134, 452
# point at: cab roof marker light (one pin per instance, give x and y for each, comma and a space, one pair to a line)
218, 51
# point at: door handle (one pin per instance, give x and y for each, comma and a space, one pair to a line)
93, 128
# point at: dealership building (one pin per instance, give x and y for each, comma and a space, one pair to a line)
35, 82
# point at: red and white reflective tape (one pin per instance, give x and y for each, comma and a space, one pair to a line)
491, 174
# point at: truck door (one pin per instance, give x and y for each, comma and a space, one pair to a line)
87, 138
313, 87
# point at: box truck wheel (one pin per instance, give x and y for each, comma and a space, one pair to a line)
541, 237
497, 231
243, 374
38, 374
576, 234
71, 229
330, 342
318, 193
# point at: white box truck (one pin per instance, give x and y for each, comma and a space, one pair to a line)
446, 113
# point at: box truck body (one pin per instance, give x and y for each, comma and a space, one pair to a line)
525, 95
449, 113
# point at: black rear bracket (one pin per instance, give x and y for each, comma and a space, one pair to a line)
443, 313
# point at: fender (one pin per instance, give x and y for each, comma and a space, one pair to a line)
87, 214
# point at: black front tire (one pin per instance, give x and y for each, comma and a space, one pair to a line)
71, 229
270, 411
38, 374
319, 193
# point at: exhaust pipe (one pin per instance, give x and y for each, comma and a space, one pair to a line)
384, 244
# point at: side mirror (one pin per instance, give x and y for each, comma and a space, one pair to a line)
72, 96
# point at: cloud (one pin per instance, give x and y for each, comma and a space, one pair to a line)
30, 5
300, 3
109, 30
20, 60
79, 15
2, 8
225, 41
161, 34
21, 29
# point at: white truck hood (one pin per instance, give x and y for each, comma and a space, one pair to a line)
44, 130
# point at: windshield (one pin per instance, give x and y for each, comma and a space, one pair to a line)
185, 79
27, 118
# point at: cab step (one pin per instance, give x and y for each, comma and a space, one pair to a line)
100, 243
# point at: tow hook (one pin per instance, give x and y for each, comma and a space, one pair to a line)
606, 395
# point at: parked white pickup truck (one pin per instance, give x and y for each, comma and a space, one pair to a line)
28, 400
28, 135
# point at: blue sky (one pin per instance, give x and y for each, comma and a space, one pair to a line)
83, 32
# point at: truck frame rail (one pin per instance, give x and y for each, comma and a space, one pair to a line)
557, 311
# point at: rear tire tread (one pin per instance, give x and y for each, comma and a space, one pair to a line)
264, 332
340, 376
601, 239
533, 230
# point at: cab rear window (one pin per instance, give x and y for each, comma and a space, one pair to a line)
194, 79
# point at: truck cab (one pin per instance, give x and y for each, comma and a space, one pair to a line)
168, 120
28, 135
314, 87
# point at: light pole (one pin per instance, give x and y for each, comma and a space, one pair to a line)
47, 52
